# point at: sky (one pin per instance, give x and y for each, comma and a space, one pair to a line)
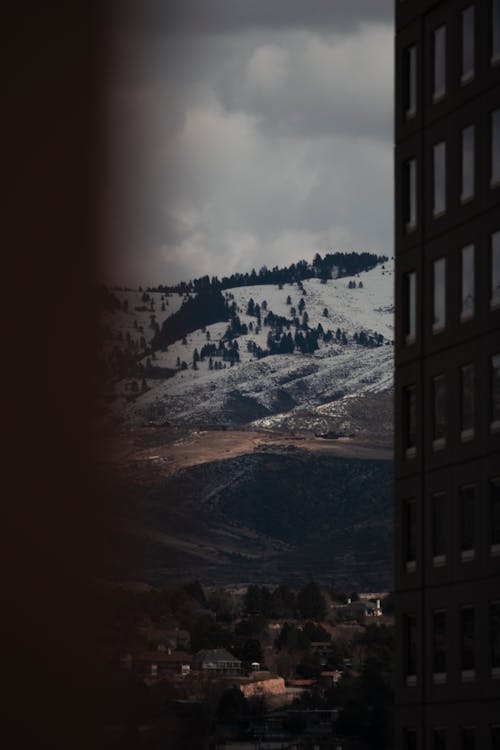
243, 133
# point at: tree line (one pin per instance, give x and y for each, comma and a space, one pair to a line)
329, 266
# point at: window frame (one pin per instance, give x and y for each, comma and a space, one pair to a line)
494, 395
467, 552
439, 63
410, 205
438, 535
495, 270
410, 307
466, 197
410, 534
495, 32
495, 148
467, 433
467, 273
468, 656
439, 165
467, 35
410, 81
439, 654
494, 515
438, 326
494, 634
409, 394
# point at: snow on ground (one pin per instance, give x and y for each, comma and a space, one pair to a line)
134, 318
276, 383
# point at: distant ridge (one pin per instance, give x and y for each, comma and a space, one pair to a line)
332, 265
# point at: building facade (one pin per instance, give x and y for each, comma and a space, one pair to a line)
447, 390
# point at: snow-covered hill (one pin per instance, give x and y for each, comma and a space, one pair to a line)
267, 391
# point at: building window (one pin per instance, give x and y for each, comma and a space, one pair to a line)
439, 183
467, 639
439, 83
438, 295
467, 738
468, 282
495, 147
439, 413
438, 531
410, 81
410, 657
467, 73
410, 307
467, 373
467, 500
410, 739
495, 25
439, 647
495, 270
495, 393
495, 638
468, 135
495, 516
410, 420
439, 739
410, 534
410, 194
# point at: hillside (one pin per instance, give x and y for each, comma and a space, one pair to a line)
306, 389
259, 444
279, 511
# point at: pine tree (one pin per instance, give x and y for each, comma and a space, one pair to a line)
311, 602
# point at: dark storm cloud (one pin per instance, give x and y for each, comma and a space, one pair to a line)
232, 15
244, 140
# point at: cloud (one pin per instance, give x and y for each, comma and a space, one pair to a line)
253, 146
158, 16
315, 84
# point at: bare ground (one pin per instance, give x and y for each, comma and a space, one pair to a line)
166, 450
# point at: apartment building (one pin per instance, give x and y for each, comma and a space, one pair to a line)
447, 394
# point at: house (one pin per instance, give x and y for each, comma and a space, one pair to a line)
364, 609
160, 663
217, 661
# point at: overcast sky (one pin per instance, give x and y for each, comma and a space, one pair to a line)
248, 132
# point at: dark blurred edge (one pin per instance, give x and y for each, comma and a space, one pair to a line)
58, 518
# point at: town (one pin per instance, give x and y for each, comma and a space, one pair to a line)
251, 666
